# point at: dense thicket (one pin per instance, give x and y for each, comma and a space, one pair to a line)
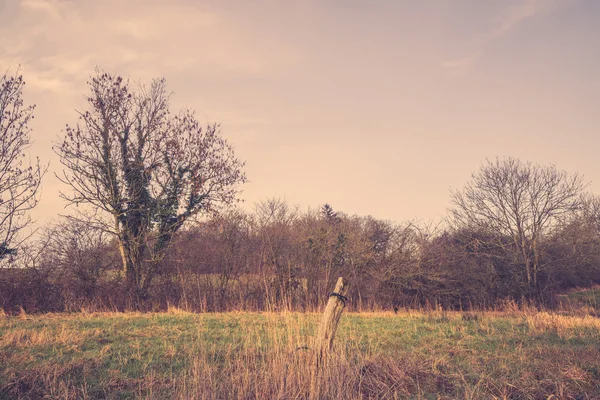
279, 257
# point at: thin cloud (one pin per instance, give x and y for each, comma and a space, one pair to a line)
460, 66
507, 21
518, 13
45, 82
49, 7
189, 37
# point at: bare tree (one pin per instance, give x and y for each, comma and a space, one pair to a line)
19, 178
72, 247
519, 201
275, 220
148, 171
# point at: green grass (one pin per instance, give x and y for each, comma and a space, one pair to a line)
260, 355
590, 297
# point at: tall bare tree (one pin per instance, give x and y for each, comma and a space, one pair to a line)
147, 170
520, 201
19, 178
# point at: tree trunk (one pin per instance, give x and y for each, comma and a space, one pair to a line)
132, 269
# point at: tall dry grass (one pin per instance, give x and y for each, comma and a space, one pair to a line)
286, 365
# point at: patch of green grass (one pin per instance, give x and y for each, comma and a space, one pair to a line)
589, 297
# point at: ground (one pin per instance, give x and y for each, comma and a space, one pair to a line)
512, 354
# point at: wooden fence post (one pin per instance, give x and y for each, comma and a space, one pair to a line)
327, 328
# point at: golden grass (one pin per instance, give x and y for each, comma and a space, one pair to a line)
563, 325
25, 338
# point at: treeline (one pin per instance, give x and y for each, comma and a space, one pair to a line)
278, 257
155, 226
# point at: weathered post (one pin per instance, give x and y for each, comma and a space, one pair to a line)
331, 318
327, 328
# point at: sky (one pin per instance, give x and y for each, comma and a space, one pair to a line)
377, 107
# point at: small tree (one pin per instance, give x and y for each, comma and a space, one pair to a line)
520, 201
78, 257
19, 179
147, 170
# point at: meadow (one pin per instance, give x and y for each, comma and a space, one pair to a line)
513, 354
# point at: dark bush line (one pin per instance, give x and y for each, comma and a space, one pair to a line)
278, 258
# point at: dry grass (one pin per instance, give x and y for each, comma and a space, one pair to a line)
564, 326
422, 355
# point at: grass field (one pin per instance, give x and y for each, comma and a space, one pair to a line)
421, 355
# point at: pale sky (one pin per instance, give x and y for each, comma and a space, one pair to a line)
378, 107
